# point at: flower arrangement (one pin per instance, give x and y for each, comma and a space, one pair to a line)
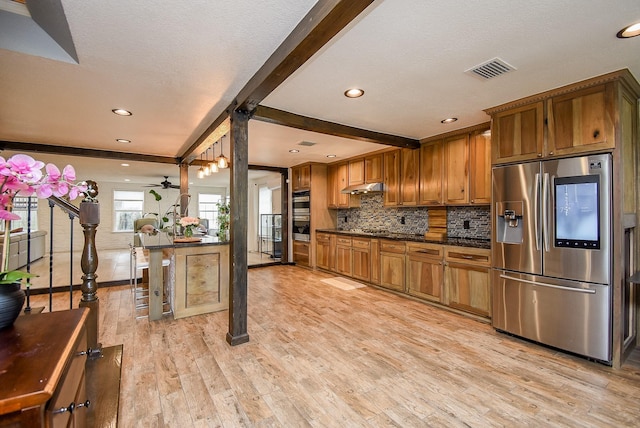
188, 223
22, 175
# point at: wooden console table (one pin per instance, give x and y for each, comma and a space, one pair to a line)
42, 370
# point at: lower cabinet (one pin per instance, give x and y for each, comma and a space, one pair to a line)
425, 271
343, 255
361, 258
467, 280
301, 253
392, 263
326, 251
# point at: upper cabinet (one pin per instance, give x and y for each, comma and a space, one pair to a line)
409, 176
456, 170
301, 177
338, 179
373, 168
568, 122
356, 171
580, 121
431, 173
517, 134
480, 167
392, 178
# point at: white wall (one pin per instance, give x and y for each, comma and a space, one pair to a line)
106, 238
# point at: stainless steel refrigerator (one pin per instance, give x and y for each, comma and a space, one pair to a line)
551, 253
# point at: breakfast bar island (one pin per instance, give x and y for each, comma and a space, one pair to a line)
198, 274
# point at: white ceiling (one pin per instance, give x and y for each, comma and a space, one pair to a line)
178, 65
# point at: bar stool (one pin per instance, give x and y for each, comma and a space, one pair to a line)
141, 293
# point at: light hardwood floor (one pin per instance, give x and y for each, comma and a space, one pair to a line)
324, 357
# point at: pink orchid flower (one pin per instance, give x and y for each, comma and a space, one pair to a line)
25, 167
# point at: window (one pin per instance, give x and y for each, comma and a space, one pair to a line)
127, 208
21, 208
207, 208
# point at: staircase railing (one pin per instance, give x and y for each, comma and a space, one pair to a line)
88, 214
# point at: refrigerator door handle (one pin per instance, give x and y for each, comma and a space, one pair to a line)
545, 210
542, 284
536, 207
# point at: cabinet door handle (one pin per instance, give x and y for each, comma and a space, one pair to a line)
596, 133
71, 407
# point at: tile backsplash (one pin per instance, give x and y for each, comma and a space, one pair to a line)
372, 215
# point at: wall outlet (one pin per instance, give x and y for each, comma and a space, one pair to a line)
402, 220
466, 224
346, 219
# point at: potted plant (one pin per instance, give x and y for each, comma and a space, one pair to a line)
223, 220
22, 175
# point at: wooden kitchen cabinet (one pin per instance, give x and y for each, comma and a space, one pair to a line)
456, 170
392, 178
467, 280
425, 270
46, 354
301, 253
431, 173
517, 134
343, 255
480, 167
373, 168
392, 264
581, 121
356, 171
301, 177
338, 179
326, 251
361, 258
375, 261
409, 176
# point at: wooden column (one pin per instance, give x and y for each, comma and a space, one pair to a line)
184, 189
237, 333
89, 220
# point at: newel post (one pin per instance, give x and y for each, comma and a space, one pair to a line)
89, 220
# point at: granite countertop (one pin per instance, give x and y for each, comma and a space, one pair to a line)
164, 240
383, 234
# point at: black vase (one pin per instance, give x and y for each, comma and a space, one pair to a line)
11, 301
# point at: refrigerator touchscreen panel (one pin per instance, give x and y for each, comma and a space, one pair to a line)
576, 213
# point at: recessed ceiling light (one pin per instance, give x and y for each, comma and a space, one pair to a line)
294, 151
331, 156
121, 112
122, 140
353, 93
124, 164
630, 31
449, 120
126, 179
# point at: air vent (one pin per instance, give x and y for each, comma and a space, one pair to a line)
490, 69
306, 143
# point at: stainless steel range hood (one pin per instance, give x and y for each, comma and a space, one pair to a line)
358, 189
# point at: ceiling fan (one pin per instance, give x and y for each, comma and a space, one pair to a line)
166, 184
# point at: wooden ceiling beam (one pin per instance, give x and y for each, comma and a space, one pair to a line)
280, 117
326, 19
91, 153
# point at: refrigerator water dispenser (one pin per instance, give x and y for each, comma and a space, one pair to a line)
509, 223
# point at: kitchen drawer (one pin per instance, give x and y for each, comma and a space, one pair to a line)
397, 247
343, 240
473, 256
432, 251
362, 243
323, 237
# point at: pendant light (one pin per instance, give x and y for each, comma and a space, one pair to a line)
207, 170
200, 170
222, 161
213, 166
